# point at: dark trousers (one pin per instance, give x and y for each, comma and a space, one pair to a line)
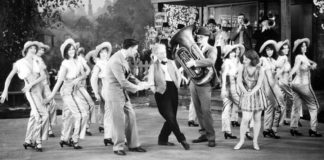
168, 106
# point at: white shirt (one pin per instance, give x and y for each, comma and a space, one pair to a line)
26, 69
166, 72
74, 68
101, 64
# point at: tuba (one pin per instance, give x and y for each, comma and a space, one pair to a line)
185, 48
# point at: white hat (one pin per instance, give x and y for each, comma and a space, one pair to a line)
42, 45
281, 43
266, 43
29, 44
65, 43
90, 54
102, 46
228, 48
80, 49
300, 41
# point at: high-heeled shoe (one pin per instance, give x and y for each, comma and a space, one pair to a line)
238, 145
235, 124
229, 135
192, 124
266, 133
101, 129
274, 134
108, 141
247, 135
76, 145
294, 132
62, 143
38, 148
26, 145
256, 146
315, 133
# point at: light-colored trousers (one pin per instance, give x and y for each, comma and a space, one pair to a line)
201, 97
75, 112
37, 127
51, 107
289, 98
230, 105
192, 116
123, 124
104, 116
276, 104
90, 107
304, 94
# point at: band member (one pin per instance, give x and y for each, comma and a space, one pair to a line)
301, 85
120, 80
165, 79
83, 89
29, 70
71, 74
242, 34
230, 92
46, 91
275, 98
283, 68
252, 99
102, 53
201, 94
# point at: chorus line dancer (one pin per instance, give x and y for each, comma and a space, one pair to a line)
230, 92
102, 53
71, 75
275, 98
29, 70
301, 85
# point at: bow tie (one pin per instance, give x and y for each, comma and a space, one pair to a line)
163, 62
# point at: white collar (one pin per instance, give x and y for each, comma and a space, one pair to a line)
123, 52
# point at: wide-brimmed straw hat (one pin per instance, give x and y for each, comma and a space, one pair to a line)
102, 46
266, 43
300, 41
281, 43
29, 44
91, 54
80, 49
228, 48
67, 42
42, 45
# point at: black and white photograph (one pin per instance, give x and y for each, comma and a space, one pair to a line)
161, 79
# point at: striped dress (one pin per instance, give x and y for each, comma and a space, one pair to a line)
256, 101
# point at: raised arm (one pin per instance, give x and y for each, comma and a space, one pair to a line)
4, 94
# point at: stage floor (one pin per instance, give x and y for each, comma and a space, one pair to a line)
12, 133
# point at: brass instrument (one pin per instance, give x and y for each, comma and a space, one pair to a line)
185, 48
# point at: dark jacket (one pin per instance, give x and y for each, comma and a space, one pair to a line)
247, 36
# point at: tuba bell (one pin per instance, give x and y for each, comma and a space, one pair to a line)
185, 48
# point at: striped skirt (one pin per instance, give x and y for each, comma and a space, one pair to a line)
253, 102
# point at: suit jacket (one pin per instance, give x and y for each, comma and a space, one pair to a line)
210, 54
247, 36
119, 78
157, 76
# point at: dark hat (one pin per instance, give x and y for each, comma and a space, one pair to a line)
180, 26
203, 31
212, 21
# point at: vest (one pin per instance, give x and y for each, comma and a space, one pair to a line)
159, 77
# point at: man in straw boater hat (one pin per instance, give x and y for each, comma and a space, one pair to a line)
229, 92
29, 70
120, 81
201, 94
275, 99
46, 91
301, 85
99, 86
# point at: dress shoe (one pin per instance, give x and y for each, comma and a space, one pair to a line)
229, 135
120, 152
315, 133
192, 124
166, 144
274, 134
88, 133
51, 135
26, 145
185, 145
248, 136
202, 138
62, 143
137, 149
76, 145
294, 132
101, 129
267, 133
211, 143
108, 141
